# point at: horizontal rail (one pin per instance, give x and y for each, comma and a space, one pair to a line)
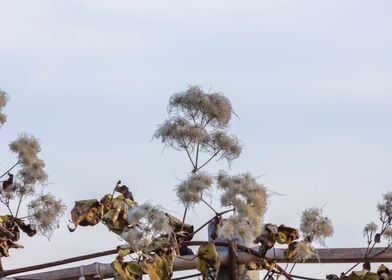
324, 255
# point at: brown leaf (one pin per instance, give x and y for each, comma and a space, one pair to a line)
86, 213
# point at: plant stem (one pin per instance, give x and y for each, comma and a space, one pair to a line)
197, 155
183, 218
189, 156
209, 206
204, 164
210, 220
9, 169
19, 203
7, 205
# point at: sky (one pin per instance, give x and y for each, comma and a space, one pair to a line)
309, 82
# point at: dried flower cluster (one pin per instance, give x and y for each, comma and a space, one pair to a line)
198, 123
303, 251
191, 190
3, 102
248, 198
385, 208
45, 212
314, 226
214, 109
145, 223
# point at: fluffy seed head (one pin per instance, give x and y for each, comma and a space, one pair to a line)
248, 198
314, 226
303, 251
370, 228
33, 173
191, 190
385, 208
27, 147
3, 102
229, 145
195, 103
45, 212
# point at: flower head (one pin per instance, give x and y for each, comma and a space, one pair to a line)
303, 251
314, 226
3, 102
27, 147
370, 228
191, 190
45, 212
195, 103
385, 208
248, 198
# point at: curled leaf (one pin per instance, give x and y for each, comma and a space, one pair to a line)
86, 213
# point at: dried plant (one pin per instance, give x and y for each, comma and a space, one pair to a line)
19, 196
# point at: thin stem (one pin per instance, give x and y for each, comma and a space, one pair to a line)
189, 156
209, 206
197, 155
7, 205
19, 203
292, 268
351, 268
210, 220
183, 218
12, 167
204, 164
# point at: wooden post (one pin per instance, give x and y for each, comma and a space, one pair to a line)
233, 261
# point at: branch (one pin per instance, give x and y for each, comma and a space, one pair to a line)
12, 167
204, 164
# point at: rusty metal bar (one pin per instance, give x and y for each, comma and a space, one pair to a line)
335, 255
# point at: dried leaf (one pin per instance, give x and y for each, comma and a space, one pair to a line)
287, 234
86, 213
28, 229
8, 183
207, 257
261, 264
159, 267
126, 271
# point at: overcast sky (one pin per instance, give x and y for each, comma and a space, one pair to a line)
310, 82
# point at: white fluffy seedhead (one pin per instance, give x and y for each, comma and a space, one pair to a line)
146, 224
385, 208
198, 122
27, 147
3, 102
303, 251
191, 190
249, 200
45, 212
314, 226
215, 109
178, 133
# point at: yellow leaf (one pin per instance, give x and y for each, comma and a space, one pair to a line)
207, 258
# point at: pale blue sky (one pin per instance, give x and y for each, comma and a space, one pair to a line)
309, 80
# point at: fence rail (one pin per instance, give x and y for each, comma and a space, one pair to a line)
104, 271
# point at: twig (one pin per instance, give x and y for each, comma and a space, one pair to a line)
19, 203
183, 218
210, 220
189, 156
209, 206
12, 167
204, 164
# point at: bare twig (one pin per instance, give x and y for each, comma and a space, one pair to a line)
12, 167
